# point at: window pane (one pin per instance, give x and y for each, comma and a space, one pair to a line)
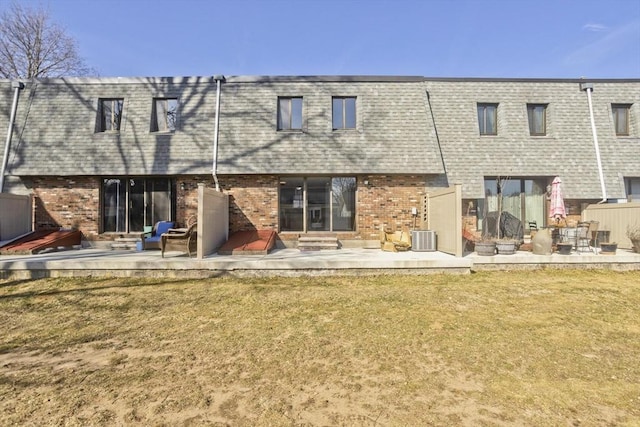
318, 206
487, 119
284, 113
117, 114
105, 120
114, 204
172, 113
620, 117
344, 203
536, 119
161, 115
296, 113
337, 113
491, 120
350, 113
481, 119
291, 204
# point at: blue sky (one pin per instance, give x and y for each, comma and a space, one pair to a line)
433, 38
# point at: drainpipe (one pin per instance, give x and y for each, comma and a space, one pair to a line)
588, 87
17, 86
219, 79
435, 128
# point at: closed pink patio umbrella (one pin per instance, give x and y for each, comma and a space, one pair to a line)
557, 210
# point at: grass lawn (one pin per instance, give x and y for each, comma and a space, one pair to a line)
544, 348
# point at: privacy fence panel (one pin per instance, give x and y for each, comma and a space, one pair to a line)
614, 217
442, 213
213, 220
15, 215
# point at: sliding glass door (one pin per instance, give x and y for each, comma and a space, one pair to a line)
317, 204
523, 198
130, 204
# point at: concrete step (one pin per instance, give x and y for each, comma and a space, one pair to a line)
128, 243
316, 242
317, 239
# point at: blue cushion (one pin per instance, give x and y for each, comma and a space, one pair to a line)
163, 227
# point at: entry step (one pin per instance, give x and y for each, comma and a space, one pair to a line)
316, 242
128, 243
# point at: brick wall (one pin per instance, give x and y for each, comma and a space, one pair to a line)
387, 201
253, 201
67, 202
381, 201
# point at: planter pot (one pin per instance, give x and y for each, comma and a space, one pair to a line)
541, 242
607, 248
565, 248
506, 248
486, 248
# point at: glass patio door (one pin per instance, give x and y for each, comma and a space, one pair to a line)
130, 204
523, 198
317, 204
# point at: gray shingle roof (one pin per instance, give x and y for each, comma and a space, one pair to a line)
395, 134
567, 150
55, 128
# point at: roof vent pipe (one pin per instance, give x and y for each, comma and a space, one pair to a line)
17, 86
588, 87
219, 79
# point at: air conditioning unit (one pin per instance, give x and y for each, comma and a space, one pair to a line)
423, 240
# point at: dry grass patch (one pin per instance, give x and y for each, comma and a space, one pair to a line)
525, 348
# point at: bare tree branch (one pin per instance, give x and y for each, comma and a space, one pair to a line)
33, 46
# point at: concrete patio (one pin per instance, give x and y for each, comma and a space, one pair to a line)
291, 262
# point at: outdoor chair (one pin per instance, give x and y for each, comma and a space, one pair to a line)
151, 239
185, 237
583, 236
395, 242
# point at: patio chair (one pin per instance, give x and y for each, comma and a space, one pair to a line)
186, 237
151, 239
583, 236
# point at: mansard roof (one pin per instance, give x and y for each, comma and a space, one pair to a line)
567, 150
405, 125
56, 127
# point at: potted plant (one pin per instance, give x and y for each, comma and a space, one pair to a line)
486, 247
564, 248
506, 246
633, 233
608, 248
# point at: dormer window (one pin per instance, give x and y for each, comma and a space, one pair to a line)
164, 116
290, 113
344, 112
109, 114
621, 118
537, 114
487, 119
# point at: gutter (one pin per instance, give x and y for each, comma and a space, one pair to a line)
588, 87
219, 79
17, 86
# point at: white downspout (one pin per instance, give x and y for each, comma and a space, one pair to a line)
588, 87
17, 86
214, 171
